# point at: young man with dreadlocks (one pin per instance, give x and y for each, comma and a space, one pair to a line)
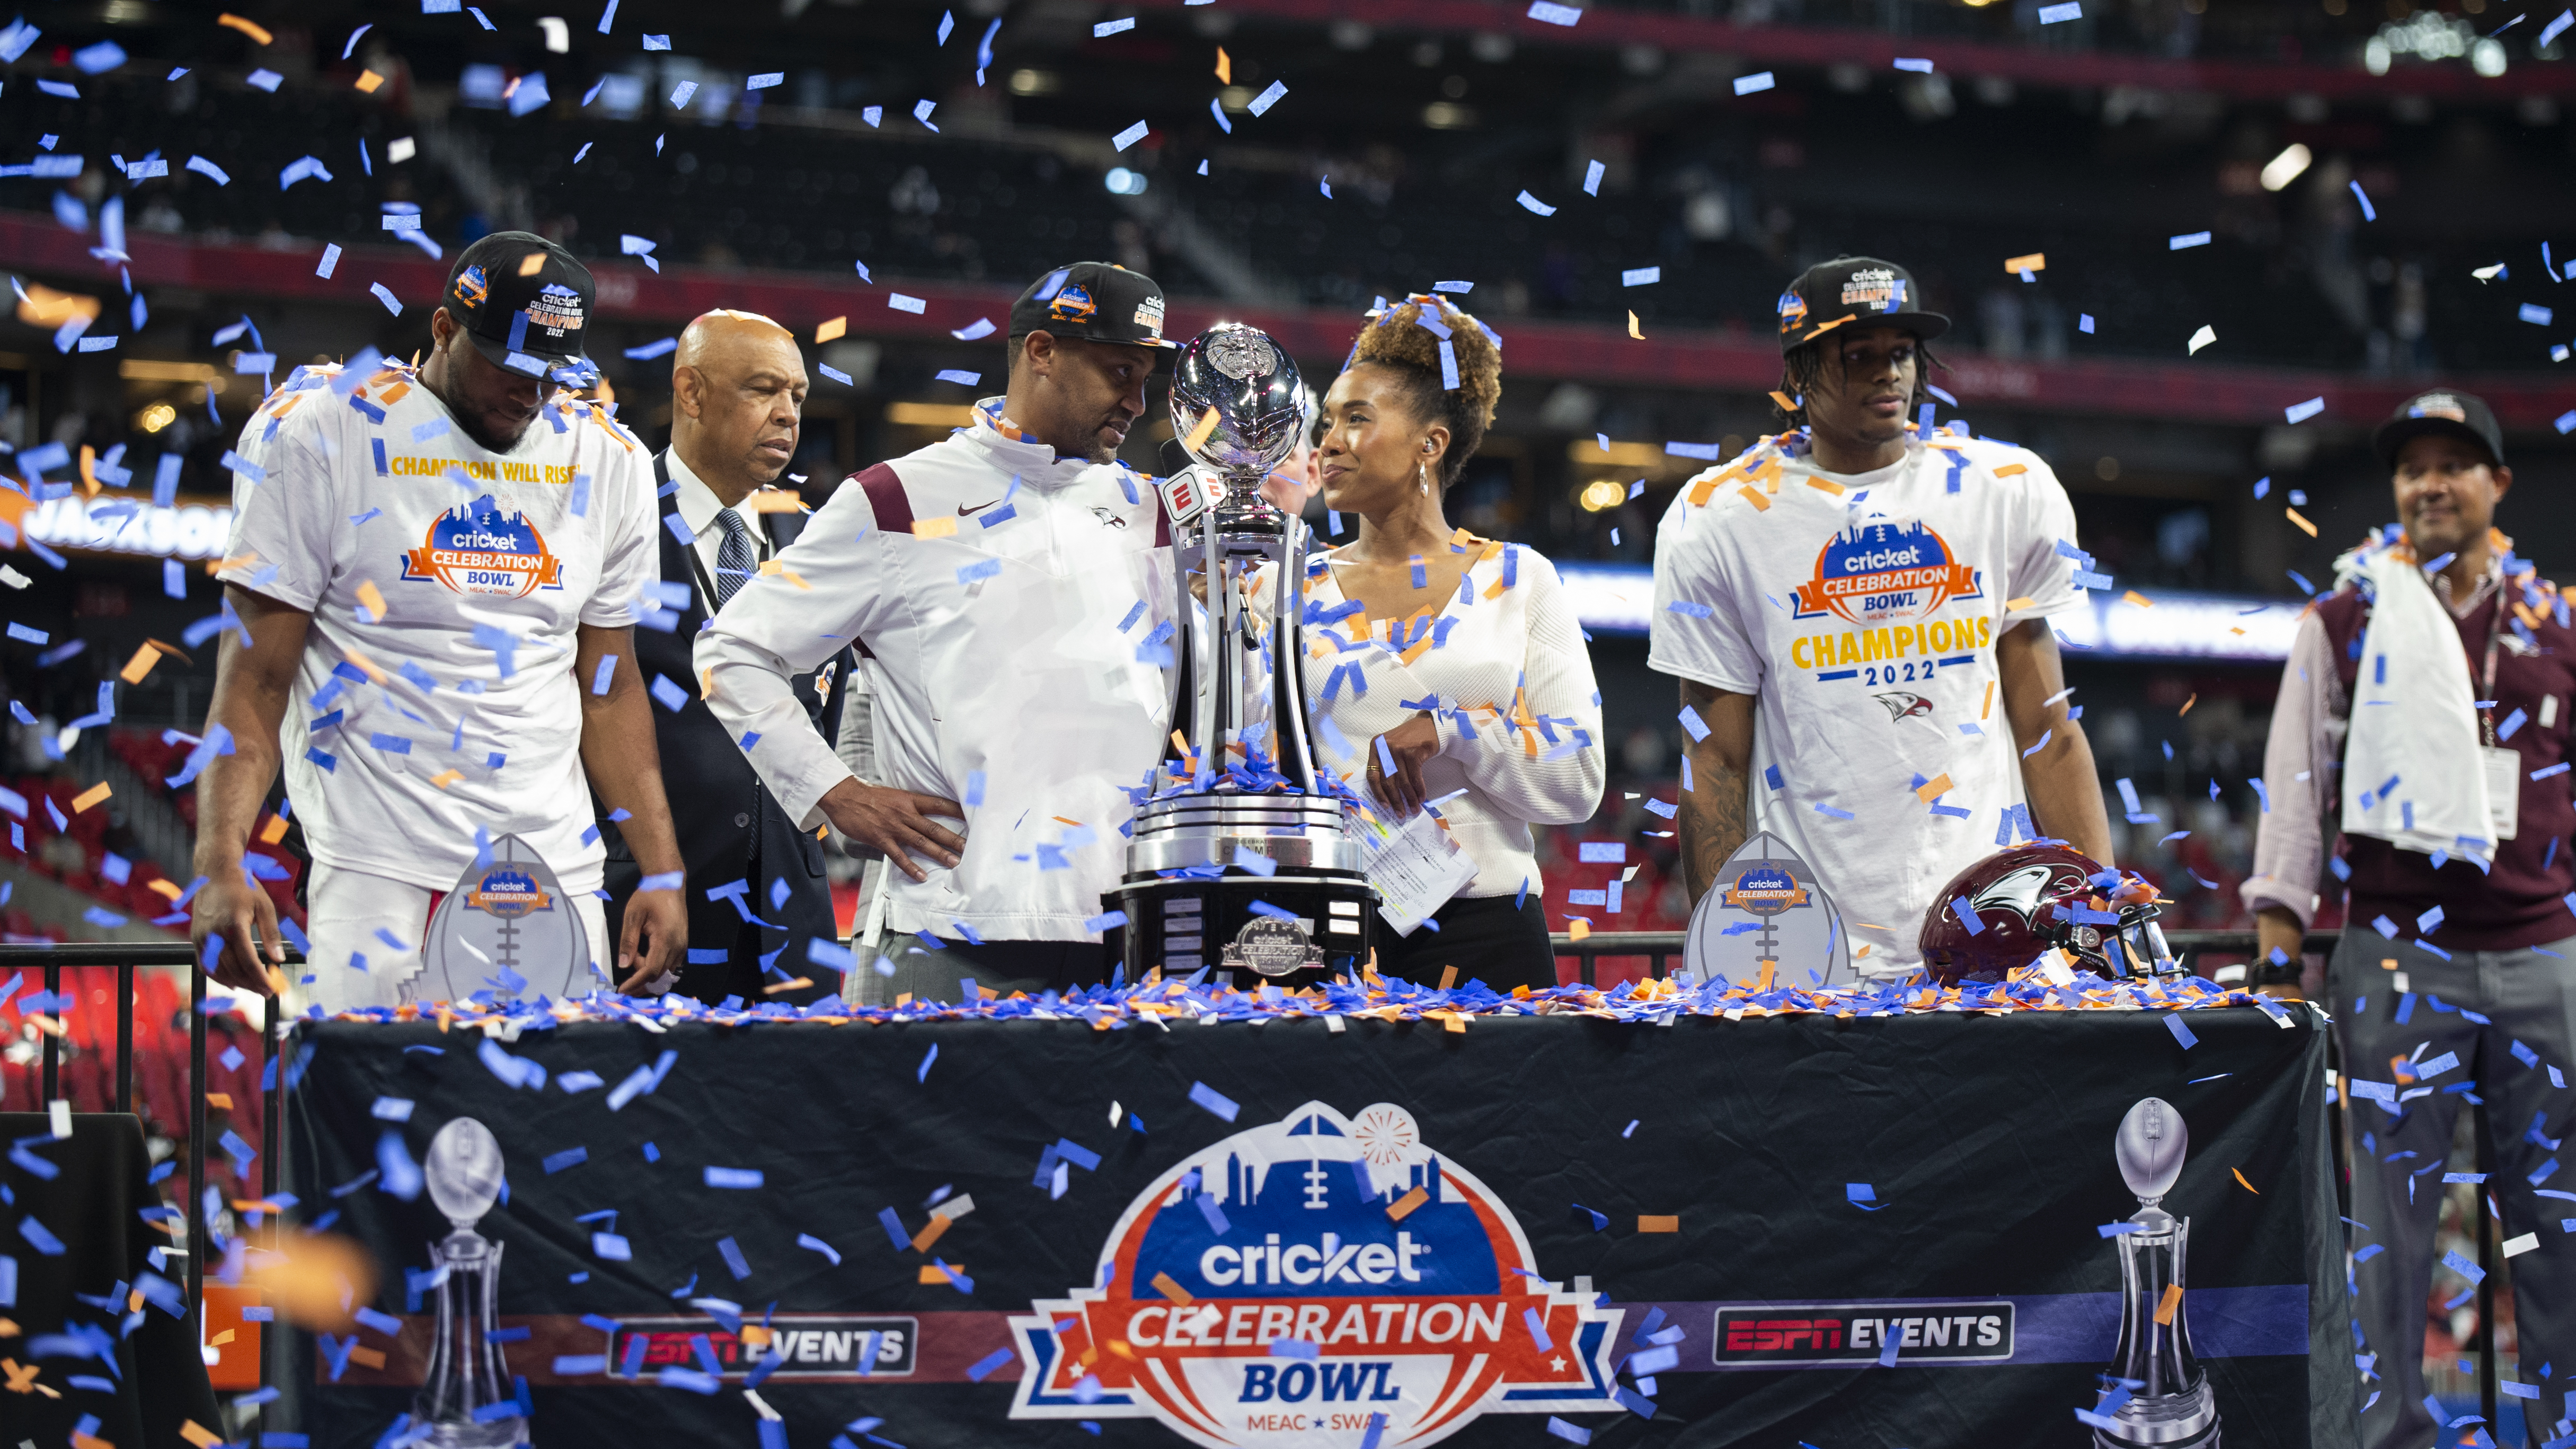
1857, 611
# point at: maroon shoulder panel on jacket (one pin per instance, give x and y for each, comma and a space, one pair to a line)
886, 496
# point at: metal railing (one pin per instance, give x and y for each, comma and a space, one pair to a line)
126, 957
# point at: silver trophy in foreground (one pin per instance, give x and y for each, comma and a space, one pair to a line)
1238, 861
2168, 1404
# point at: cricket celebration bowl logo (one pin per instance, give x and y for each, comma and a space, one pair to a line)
1882, 573
477, 549
1316, 1281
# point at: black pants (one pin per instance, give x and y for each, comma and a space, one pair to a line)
1002, 966
1486, 937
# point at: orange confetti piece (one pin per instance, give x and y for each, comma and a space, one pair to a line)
2035, 262
930, 1233
1986, 710
445, 778
219, 1340
1401, 1208
947, 527
373, 599
273, 831
2139, 599
368, 81
1164, 1285
777, 500
1224, 67
1825, 485
249, 28
837, 327
2241, 1182
1448, 978
1653, 1223
1200, 430
2015, 606
775, 987
1787, 403
2187, 704
2172, 1302
2009, 469
145, 656
192, 1431
1932, 789
2309, 528
222, 1101
1577, 929
1755, 498
168, 889
373, 1358
1632, 328
933, 1276
533, 262
91, 796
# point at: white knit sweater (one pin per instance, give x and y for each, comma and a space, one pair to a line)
1520, 717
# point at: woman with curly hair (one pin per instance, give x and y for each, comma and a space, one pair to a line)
1473, 692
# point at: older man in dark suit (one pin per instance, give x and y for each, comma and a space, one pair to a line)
756, 890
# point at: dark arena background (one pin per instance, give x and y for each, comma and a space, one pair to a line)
2355, 198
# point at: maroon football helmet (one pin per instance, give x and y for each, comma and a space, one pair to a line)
2025, 900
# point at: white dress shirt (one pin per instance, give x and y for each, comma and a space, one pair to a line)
699, 505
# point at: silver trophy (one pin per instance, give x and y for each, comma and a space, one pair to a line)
2170, 1406
1243, 784
466, 1371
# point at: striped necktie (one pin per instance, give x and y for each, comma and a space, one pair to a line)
734, 561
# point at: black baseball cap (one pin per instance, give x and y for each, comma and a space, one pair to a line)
2440, 411
520, 296
1850, 290
1098, 301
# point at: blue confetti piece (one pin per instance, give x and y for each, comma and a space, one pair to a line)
1216, 1102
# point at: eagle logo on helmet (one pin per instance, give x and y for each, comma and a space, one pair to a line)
2011, 909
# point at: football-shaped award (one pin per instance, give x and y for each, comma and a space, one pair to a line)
507, 929
1766, 913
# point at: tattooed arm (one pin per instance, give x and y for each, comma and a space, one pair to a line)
1717, 809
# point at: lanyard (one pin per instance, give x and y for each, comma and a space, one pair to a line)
2486, 680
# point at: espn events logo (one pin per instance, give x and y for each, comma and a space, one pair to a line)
819, 1347
1839, 1335
1319, 1279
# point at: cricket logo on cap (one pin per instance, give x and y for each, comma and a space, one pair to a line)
1880, 573
475, 549
1874, 289
471, 288
1149, 315
1073, 304
557, 309
1321, 1279
2438, 405
1793, 311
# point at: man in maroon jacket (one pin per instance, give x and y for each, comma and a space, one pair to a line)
2456, 976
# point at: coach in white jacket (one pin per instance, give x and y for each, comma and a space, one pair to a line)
1010, 584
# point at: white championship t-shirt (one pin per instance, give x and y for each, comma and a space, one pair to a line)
457, 710
1862, 612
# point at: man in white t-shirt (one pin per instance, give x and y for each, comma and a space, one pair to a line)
432, 573
1857, 613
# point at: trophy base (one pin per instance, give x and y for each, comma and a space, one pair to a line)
494, 1434
2187, 1420
1184, 925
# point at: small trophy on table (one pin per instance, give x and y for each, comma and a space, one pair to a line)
2169, 1405
1238, 861
467, 1376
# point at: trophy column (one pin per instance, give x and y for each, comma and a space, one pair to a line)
468, 1379
1238, 861
2168, 1403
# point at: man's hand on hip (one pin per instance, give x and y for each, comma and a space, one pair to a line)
896, 822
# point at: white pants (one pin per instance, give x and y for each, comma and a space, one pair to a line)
344, 909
